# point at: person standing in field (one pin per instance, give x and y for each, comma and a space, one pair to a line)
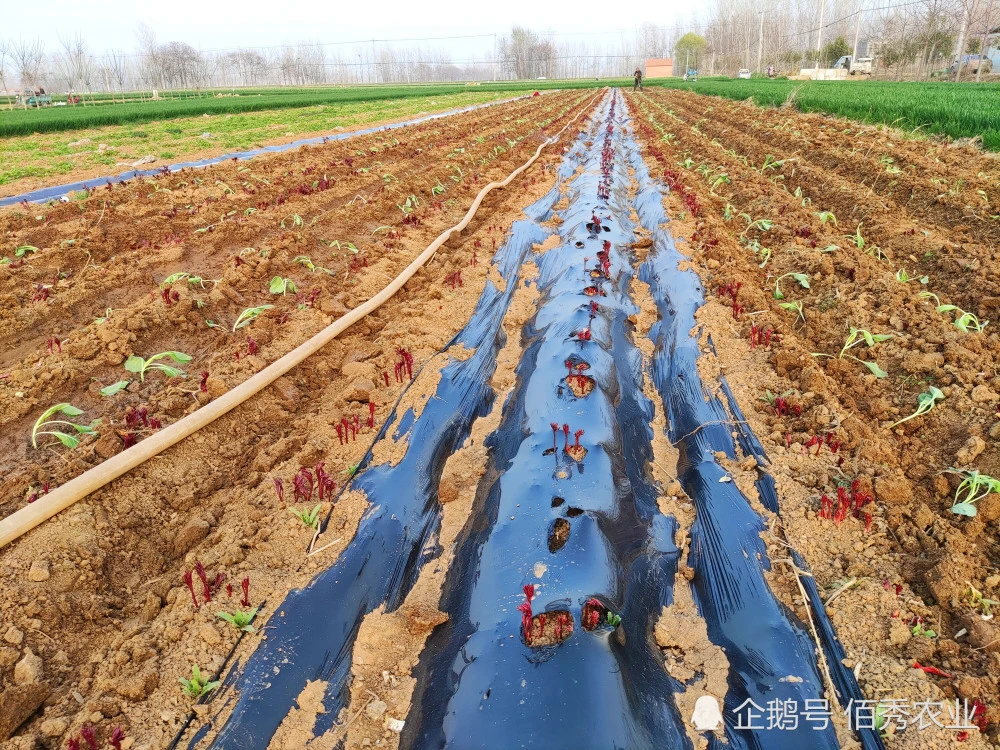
638, 80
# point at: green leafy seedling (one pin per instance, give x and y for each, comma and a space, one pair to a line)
802, 278
612, 619
249, 315
282, 286
976, 599
67, 439
965, 321
24, 250
141, 366
827, 216
294, 220
795, 307
925, 402
308, 517
114, 388
198, 685
904, 278
973, 488
856, 337
239, 619
919, 629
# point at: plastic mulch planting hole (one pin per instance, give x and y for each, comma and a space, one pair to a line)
580, 385
557, 501
574, 512
559, 535
593, 291
549, 628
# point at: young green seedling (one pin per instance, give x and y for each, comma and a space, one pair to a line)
904, 278
771, 162
925, 402
976, 599
140, 366
282, 286
294, 220
965, 321
795, 307
919, 629
763, 225
114, 388
249, 315
25, 249
722, 179
308, 517
856, 337
239, 619
198, 685
827, 216
70, 441
973, 488
802, 278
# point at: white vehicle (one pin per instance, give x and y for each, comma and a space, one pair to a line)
861, 65
744, 73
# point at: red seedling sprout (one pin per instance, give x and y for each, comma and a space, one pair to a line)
371, 414
229, 590
592, 614
279, 487
203, 385
199, 568
245, 585
189, 580
303, 485
555, 431
385, 375
576, 437
89, 737
566, 434
251, 345
979, 714
340, 433
116, 738
583, 335
73, 744
128, 440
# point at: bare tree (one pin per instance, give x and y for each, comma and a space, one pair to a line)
28, 59
4, 55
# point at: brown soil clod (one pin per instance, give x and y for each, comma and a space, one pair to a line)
559, 534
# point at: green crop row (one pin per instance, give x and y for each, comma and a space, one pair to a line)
962, 110
55, 119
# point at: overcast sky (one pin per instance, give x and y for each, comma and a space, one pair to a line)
221, 24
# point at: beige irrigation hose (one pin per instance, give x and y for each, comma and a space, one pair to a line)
27, 518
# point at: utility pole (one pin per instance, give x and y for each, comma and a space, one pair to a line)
496, 62
857, 33
760, 42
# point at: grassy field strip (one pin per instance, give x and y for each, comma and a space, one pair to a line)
963, 110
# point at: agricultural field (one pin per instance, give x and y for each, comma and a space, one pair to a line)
693, 420
36, 160
963, 110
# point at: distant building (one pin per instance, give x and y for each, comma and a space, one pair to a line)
993, 48
659, 67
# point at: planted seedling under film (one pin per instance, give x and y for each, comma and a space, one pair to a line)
198, 685
856, 337
141, 366
54, 427
973, 488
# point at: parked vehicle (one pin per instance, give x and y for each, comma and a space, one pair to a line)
34, 98
743, 73
971, 63
859, 66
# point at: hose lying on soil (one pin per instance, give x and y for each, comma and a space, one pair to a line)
27, 518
